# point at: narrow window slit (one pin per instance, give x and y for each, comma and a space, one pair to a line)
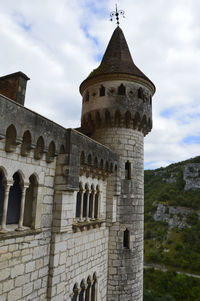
127, 170
126, 240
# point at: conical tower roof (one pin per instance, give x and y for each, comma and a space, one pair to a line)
117, 59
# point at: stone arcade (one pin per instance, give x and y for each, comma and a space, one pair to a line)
71, 200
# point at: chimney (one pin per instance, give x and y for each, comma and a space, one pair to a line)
13, 86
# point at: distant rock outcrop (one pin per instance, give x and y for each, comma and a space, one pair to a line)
174, 216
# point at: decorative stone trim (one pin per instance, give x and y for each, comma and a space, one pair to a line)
87, 225
14, 234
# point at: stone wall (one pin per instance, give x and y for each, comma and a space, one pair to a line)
79, 249
24, 255
125, 265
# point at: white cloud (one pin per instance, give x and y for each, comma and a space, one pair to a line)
47, 42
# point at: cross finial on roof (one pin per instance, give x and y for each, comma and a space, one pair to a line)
116, 14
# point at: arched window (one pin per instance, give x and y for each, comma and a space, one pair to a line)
39, 148
121, 90
31, 202
94, 288
128, 170
126, 239
26, 144
82, 292
2, 193
88, 289
11, 136
51, 152
62, 149
14, 201
75, 293
102, 91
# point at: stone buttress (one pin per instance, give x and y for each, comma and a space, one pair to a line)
117, 112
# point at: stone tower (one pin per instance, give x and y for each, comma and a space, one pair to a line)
117, 112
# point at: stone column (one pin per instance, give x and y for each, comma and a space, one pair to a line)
81, 209
93, 204
21, 216
87, 210
5, 207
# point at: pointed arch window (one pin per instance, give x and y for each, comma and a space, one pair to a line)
31, 202
88, 290
26, 144
11, 136
51, 152
14, 201
75, 293
121, 90
94, 288
39, 148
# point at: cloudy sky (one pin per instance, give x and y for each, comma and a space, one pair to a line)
58, 43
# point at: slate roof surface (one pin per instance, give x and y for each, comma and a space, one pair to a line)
117, 58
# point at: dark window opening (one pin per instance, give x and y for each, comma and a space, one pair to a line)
128, 170
91, 204
94, 289
85, 204
126, 240
87, 294
75, 293
78, 204
14, 201
121, 90
102, 91
96, 205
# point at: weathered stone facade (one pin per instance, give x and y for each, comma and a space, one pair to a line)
71, 201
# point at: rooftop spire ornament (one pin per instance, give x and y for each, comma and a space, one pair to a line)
116, 14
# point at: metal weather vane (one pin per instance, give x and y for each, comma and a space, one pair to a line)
116, 14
